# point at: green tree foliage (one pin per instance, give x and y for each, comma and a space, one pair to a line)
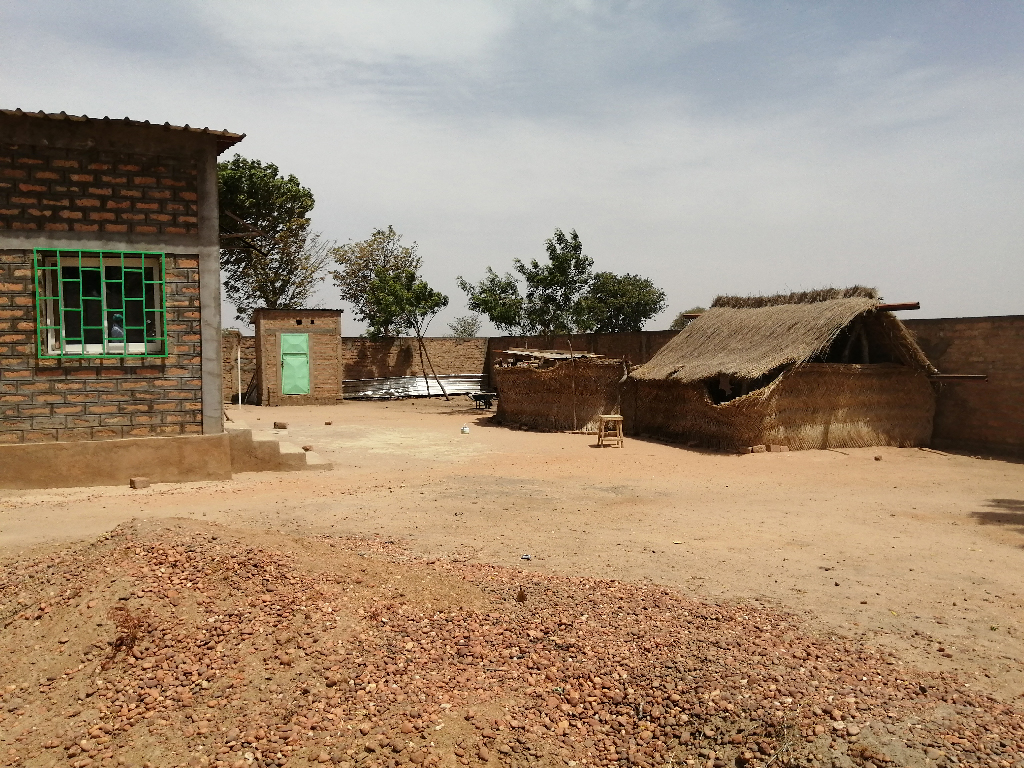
619, 303
465, 327
563, 295
269, 256
400, 301
380, 257
681, 320
554, 290
497, 296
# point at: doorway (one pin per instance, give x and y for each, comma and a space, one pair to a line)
294, 363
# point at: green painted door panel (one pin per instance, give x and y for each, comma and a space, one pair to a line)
295, 363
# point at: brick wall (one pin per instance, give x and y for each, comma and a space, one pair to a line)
385, 358
635, 348
47, 400
978, 416
229, 376
72, 190
374, 359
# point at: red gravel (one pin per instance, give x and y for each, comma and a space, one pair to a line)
260, 650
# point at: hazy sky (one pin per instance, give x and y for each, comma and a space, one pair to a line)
715, 147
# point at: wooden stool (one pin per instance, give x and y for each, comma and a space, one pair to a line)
609, 430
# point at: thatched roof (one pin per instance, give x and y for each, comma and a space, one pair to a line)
799, 297
748, 337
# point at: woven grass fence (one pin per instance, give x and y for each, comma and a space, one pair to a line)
567, 397
816, 405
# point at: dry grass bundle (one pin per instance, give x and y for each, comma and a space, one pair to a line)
568, 396
798, 297
131, 626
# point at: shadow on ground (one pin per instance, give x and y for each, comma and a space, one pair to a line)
1006, 512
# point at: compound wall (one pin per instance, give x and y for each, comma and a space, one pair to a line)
987, 417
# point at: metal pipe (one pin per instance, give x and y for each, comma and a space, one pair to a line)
896, 307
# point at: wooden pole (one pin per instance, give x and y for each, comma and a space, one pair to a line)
897, 307
239, 372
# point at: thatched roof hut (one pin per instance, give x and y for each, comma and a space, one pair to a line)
822, 369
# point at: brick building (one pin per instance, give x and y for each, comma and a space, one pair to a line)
109, 279
298, 356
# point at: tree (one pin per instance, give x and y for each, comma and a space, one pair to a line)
563, 296
551, 303
269, 256
362, 263
681, 320
497, 296
619, 303
402, 300
465, 327
282, 276
554, 290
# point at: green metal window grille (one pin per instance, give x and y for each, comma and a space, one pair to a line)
100, 304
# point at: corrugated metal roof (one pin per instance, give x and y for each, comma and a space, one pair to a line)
410, 386
225, 139
546, 354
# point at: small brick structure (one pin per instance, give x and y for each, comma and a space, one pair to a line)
322, 329
103, 221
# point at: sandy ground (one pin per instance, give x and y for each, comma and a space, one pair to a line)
918, 552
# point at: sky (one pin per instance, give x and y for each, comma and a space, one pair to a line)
715, 147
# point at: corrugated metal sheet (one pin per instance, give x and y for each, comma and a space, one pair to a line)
410, 386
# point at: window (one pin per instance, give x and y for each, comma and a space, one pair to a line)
100, 304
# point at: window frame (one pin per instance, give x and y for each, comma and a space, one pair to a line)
51, 312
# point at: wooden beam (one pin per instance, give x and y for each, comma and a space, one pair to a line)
896, 307
691, 315
960, 376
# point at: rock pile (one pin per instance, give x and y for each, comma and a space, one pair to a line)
191, 646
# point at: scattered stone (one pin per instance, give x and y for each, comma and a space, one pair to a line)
342, 666
280, 425
758, 449
139, 482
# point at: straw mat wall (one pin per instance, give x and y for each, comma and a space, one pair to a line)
568, 396
816, 405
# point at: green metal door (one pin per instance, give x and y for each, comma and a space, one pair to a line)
295, 363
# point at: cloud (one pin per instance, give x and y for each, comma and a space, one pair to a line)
717, 147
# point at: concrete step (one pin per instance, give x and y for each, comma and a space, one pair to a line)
266, 451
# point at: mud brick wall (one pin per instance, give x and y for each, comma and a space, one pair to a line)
233, 338
987, 417
387, 358
72, 190
49, 400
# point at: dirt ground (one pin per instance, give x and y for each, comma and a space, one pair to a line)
910, 552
